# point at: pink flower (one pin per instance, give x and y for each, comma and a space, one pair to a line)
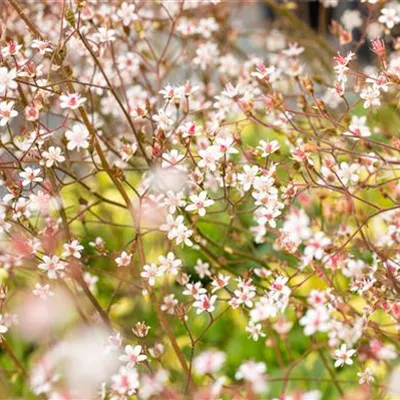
378, 47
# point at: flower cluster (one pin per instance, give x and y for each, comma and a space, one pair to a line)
194, 209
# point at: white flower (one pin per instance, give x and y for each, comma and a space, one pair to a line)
358, 127
173, 201
129, 62
71, 100
199, 203
150, 273
230, 91
77, 137
244, 295
265, 308
132, 356
7, 79
263, 72
152, 386
371, 95
41, 202
330, 3
348, 173
114, 342
170, 92
90, 280
351, 19
34, 244
253, 372
105, 35
267, 148
209, 362
124, 259
127, 13
315, 320
53, 266
366, 377
379, 82
255, 330
294, 50
207, 55
169, 303
226, 144
248, 176
316, 245
202, 268
205, 303
7, 112
177, 230
163, 119
11, 49
30, 175
125, 382
73, 249
170, 264
53, 156
343, 356
42, 45
194, 289
189, 130
3, 324
389, 17
32, 112
209, 157
44, 292
219, 282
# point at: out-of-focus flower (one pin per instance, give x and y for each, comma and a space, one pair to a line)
209, 362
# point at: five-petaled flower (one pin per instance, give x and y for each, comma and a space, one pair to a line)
132, 356
343, 356
54, 267
71, 100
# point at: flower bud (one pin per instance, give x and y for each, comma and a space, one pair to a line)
141, 329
